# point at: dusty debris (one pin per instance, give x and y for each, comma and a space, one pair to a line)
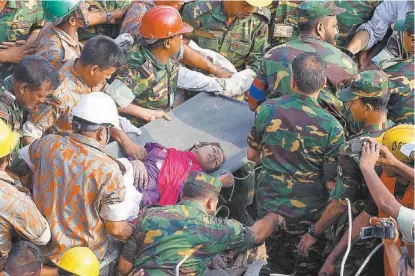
236, 265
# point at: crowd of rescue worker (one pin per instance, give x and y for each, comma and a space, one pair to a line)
332, 87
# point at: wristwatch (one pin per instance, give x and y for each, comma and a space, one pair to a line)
108, 16
312, 231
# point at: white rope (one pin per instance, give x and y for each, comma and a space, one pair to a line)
179, 264
349, 237
368, 259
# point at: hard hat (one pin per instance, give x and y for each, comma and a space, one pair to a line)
398, 136
163, 22
80, 261
8, 139
259, 3
54, 10
98, 108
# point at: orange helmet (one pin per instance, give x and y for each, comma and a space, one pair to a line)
163, 22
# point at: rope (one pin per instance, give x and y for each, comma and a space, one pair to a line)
349, 237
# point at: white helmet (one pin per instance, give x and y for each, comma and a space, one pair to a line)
98, 108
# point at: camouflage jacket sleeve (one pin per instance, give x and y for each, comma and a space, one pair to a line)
348, 178
331, 156
127, 84
261, 119
50, 53
112, 192
241, 238
130, 251
258, 47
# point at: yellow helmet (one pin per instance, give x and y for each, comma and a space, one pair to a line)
80, 261
398, 136
8, 139
259, 3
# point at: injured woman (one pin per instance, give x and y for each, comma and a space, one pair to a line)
164, 171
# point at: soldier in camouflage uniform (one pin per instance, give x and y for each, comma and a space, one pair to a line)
18, 21
188, 235
146, 85
104, 18
58, 41
235, 29
367, 98
23, 90
318, 31
401, 76
297, 142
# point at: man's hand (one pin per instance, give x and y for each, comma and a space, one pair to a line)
226, 179
16, 53
140, 174
137, 272
158, 114
135, 151
364, 60
10, 44
306, 242
386, 158
222, 73
370, 154
394, 240
327, 269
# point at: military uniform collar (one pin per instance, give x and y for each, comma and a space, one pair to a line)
376, 127
305, 98
86, 141
4, 176
160, 66
73, 72
7, 83
65, 37
219, 14
194, 204
15, 4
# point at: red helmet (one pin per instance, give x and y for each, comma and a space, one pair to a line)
163, 22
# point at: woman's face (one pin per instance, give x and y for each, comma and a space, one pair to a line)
209, 157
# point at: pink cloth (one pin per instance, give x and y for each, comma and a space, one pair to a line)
174, 174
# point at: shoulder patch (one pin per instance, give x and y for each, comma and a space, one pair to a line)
264, 14
146, 69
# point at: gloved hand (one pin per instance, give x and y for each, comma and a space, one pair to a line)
124, 41
238, 83
213, 56
140, 175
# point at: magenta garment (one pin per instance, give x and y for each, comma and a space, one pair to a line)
153, 162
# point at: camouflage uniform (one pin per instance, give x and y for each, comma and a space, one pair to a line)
56, 46
11, 111
274, 77
53, 116
284, 22
350, 182
17, 20
164, 236
299, 144
111, 30
401, 87
356, 12
243, 42
131, 23
145, 81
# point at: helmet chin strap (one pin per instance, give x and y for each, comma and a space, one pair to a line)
81, 16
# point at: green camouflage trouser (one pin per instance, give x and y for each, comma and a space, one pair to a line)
283, 255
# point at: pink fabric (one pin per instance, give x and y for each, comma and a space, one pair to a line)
174, 173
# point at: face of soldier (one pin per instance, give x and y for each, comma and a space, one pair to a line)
209, 157
328, 30
242, 9
175, 4
408, 42
358, 109
30, 98
98, 76
175, 43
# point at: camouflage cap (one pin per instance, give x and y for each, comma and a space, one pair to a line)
309, 10
204, 180
406, 24
368, 84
